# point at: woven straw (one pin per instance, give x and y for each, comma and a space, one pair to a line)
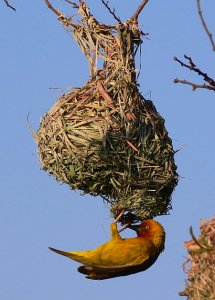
200, 284
105, 139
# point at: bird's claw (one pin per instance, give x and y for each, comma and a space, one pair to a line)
124, 227
119, 216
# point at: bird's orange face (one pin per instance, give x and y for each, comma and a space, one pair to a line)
147, 228
151, 230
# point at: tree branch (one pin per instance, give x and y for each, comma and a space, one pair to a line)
111, 11
205, 25
7, 3
52, 8
139, 9
195, 85
72, 3
192, 67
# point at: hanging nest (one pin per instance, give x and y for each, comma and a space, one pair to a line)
200, 283
105, 139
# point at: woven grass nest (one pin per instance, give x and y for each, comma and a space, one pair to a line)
104, 138
200, 284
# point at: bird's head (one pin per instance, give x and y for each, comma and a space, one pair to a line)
151, 229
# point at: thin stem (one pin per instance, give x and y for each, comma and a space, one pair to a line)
111, 11
205, 25
52, 8
192, 67
8, 4
195, 85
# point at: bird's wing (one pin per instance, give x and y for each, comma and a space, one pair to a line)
99, 272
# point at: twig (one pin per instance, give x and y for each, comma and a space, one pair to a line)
73, 3
132, 146
205, 25
139, 9
52, 8
124, 227
195, 85
70, 2
192, 67
111, 11
7, 3
64, 20
119, 216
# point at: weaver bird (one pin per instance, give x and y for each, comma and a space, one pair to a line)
121, 257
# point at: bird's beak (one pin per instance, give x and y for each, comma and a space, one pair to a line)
134, 227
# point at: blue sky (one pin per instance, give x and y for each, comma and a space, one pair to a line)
36, 212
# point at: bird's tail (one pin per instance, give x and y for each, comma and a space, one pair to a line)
77, 256
60, 252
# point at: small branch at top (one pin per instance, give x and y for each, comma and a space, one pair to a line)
70, 2
205, 25
73, 3
139, 9
111, 11
8, 4
192, 67
52, 8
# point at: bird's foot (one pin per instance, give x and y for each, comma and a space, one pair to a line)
119, 216
124, 227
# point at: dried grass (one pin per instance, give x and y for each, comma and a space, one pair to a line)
200, 284
105, 139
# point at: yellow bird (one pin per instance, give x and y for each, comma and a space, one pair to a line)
121, 257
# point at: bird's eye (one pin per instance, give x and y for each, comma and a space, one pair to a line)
147, 227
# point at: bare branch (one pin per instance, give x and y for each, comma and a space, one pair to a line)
205, 25
8, 4
73, 3
111, 11
192, 67
195, 85
52, 8
139, 9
